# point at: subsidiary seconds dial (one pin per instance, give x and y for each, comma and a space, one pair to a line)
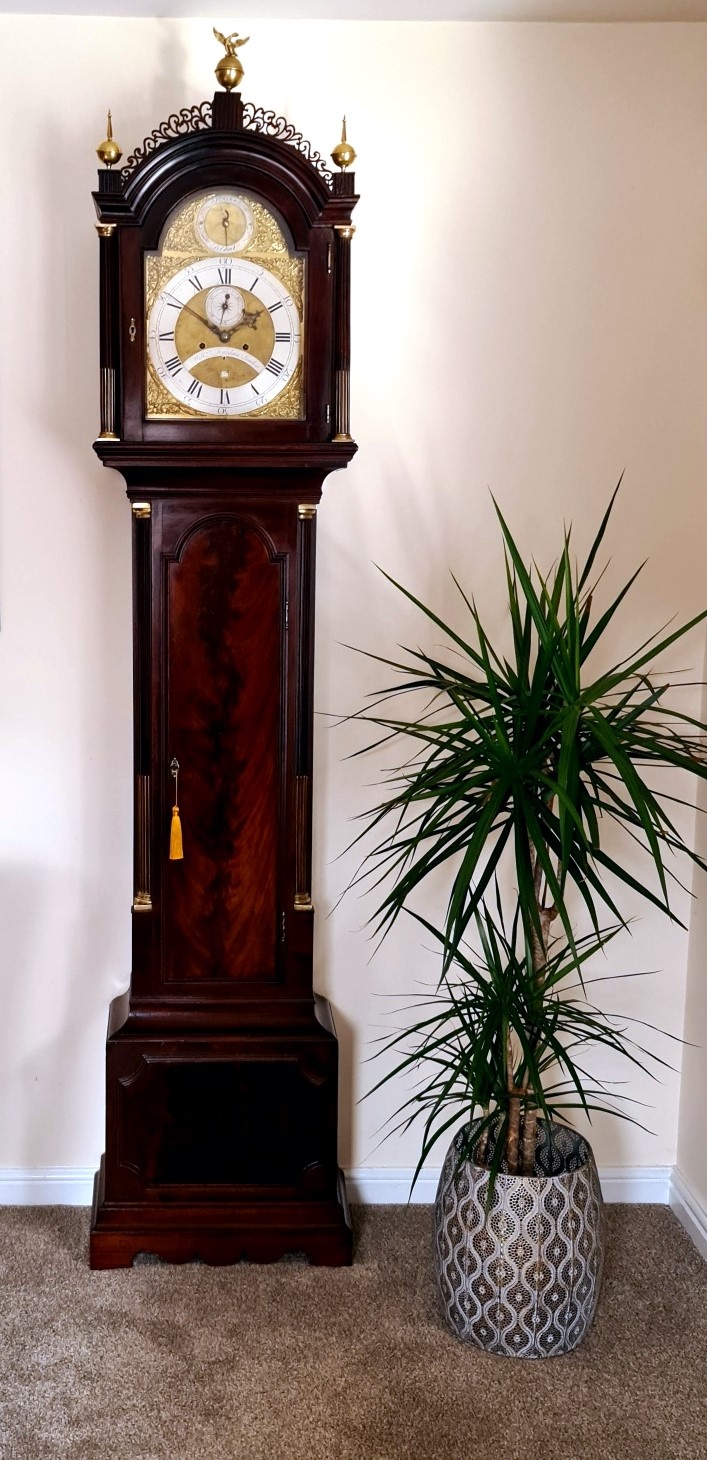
224, 336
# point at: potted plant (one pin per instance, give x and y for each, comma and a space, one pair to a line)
514, 769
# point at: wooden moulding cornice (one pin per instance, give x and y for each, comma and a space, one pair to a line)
203, 1021
321, 456
204, 158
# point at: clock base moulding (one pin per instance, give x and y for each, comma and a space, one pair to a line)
225, 1235
220, 1233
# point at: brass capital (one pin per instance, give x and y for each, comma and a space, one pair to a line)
141, 509
105, 230
306, 511
345, 230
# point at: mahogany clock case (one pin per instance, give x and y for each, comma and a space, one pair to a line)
315, 210
222, 1063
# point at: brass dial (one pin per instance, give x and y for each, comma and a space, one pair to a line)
224, 336
224, 223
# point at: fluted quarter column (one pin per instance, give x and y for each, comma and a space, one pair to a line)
108, 297
342, 337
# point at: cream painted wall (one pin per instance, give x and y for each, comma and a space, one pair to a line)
692, 1150
530, 273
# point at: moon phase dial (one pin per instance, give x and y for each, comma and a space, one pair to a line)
224, 336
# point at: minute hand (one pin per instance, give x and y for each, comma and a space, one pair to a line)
203, 320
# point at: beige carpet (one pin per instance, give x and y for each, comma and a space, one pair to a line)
297, 1363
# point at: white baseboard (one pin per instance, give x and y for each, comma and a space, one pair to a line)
61, 1186
374, 1185
636, 1184
689, 1212
390, 1186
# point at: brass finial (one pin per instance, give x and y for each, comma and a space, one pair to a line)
229, 70
343, 154
108, 151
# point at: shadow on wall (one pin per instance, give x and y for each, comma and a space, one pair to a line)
346, 1035
171, 78
357, 606
64, 924
54, 1010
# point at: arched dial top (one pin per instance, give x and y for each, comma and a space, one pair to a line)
224, 298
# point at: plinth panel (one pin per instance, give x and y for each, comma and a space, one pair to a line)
236, 1122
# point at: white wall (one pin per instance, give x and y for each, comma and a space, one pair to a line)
692, 1148
529, 315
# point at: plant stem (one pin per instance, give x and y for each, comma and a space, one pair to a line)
530, 1136
538, 946
513, 1137
514, 1107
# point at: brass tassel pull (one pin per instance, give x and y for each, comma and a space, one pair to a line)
176, 848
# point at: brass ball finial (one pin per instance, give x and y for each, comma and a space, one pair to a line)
343, 154
229, 70
108, 150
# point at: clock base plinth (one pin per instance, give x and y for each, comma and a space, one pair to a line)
221, 1144
220, 1233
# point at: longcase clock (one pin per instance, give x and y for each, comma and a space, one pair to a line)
224, 279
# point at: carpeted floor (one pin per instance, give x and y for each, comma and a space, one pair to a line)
297, 1363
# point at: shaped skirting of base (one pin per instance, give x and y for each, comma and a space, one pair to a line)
220, 1233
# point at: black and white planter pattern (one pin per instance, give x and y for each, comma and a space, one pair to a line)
523, 1281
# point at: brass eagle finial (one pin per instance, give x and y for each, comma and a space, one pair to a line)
229, 70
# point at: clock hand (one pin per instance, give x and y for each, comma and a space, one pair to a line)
224, 223
201, 318
223, 335
250, 318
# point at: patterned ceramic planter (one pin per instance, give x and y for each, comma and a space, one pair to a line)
525, 1280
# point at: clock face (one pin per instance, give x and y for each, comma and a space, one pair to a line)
224, 301
224, 336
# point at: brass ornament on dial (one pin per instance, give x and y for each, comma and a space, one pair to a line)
224, 223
